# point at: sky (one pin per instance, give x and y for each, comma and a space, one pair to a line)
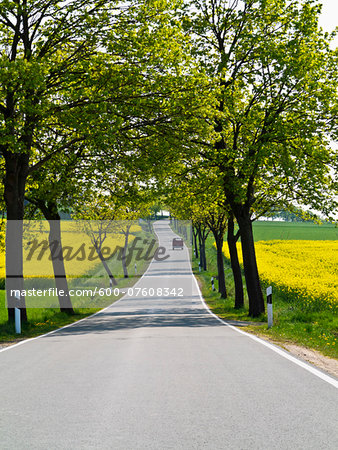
329, 21
329, 17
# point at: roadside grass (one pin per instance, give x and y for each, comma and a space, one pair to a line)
293, 323
40, 321
43, 320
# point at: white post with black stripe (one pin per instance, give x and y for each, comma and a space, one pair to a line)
269, 305
212, 283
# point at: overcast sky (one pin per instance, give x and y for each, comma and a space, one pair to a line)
329, 16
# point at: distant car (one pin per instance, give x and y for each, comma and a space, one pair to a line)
178, 243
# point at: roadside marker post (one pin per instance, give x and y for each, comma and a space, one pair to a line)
199, 267
212, 283
269, 304
17, 316
135, 269
17, 320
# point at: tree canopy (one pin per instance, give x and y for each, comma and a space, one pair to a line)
273, 92
100, 95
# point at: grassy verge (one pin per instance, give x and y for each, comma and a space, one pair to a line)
40, 321
43, 320
316, 330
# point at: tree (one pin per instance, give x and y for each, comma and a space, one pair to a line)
200, 200
45, 50
75, 71
50, 189
97, 215
130, 207
112, 210
273, 81
217, 221
183, 206
154, 209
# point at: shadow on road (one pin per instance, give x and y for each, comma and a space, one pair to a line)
122, 320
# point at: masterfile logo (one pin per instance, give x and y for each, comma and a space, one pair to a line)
85, 260
85, 247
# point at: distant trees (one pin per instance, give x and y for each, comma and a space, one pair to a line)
294, 214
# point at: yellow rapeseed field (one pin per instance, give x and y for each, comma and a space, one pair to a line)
306, 270
76, 243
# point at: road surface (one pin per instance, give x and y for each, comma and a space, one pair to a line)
158, 373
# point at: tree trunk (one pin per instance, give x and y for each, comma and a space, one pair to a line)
55, 245
14, 269
195, 233
202, 252
14, 181
124, 253
200, 241
205, 235
112, 280
220, 264
256, 301
236, 269
202, 236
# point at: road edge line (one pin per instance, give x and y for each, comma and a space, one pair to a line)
272, 347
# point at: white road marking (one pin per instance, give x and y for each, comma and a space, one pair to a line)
272, 347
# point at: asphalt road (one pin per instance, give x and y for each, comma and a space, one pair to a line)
155, 372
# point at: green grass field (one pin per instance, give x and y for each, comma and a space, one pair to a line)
313, 329
266, 231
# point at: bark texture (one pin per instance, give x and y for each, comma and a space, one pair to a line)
14, 189
236, 269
